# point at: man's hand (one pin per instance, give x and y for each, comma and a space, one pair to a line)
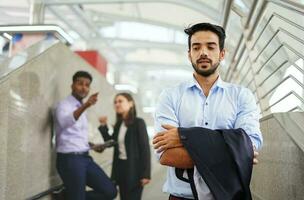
144, 181
92, 100
255, 155
167, 139
99, 148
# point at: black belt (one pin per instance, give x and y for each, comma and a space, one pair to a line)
81, 153
172, 197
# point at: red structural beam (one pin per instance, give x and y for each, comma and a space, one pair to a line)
94, 59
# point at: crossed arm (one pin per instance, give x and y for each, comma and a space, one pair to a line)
174, 154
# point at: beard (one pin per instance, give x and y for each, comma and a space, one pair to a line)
80, 95
208, 72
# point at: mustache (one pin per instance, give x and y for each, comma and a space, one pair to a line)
204, 60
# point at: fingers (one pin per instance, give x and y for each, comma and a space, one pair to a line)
167, 126
144, 181
103, 120
95, 94
255, 155
158, 137
98, 148
166, 139
93, 99
160, 146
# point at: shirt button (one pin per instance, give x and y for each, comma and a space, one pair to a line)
183, 137
206, 103
206, 123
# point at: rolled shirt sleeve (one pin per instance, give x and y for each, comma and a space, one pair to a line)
164, 114
64, 115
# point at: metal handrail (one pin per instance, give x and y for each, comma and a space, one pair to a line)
285, 45
280, 66
268, 22
258, 19
227, 11
282, 98
269, 58
271, 74
293, 50
228, 74
262, 31
295, 108
290, 5
245, 60
285, 4
263, 49
251, 13
45, 193
276, 33
249, 82
278, 84
246, 73
273, 36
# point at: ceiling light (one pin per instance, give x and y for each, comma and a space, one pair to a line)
126, 87
150, 109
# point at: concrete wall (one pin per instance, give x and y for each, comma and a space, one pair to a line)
28, 95
280, 173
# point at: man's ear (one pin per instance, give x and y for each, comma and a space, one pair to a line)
222, 54
189, 55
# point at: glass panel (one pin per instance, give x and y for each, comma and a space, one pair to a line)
16, 61
233, 32
145, 32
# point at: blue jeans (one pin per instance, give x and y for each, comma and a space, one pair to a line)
79, 171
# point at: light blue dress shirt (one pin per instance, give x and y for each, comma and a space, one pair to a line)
71, 135
228, 106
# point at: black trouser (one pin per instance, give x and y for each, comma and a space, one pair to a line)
125, 192
79, 171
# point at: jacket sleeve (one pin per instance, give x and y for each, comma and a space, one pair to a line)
144, 148
104, 130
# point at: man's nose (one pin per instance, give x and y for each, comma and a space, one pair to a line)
204, 52
84, 87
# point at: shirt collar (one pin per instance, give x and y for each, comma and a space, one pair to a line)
75, 101
219, 83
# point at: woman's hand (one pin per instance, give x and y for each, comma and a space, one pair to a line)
144, 181
103, 120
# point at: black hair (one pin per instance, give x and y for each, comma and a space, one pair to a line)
82, 74
218, 30
132, 112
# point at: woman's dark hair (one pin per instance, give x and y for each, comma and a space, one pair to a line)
82, 74
218, 30
132, 112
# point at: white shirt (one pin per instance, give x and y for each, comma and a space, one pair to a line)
121, 142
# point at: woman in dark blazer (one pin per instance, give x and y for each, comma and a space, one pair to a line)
131, 168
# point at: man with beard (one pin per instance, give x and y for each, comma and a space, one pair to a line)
74, 164
205, 101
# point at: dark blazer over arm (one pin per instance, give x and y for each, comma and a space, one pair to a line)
224, 159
